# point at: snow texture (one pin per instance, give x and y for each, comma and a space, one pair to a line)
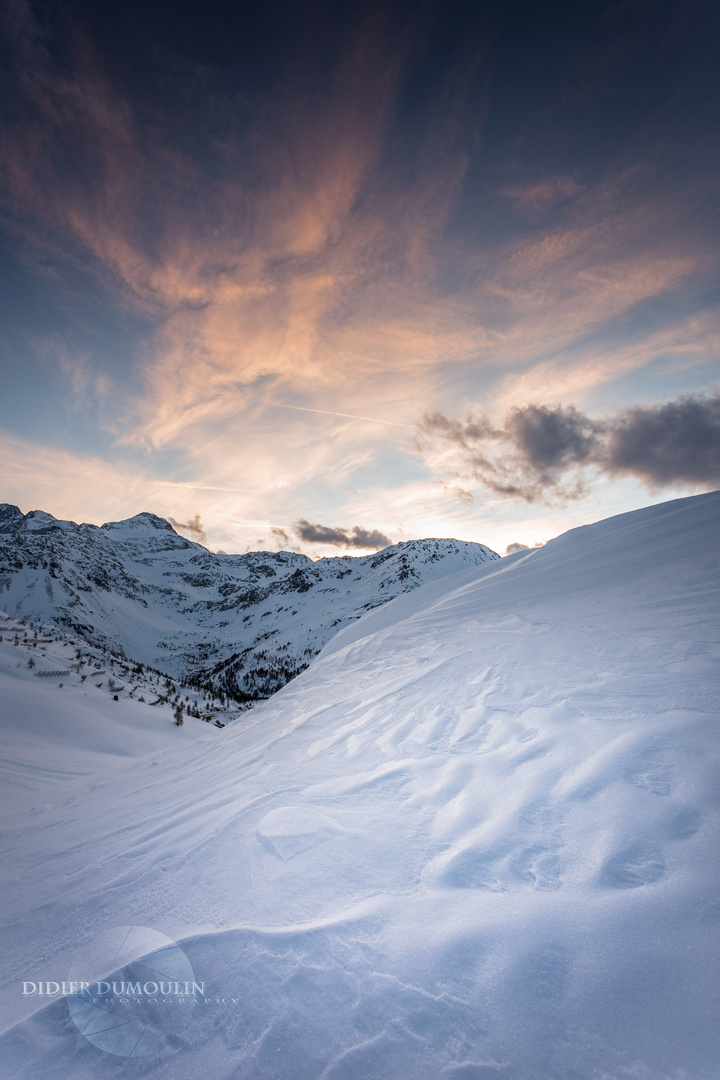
477, 838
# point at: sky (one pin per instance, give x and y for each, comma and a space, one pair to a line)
325, 276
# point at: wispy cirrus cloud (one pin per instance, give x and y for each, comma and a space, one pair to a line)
314, 264
265, 280
576, 370
306, 264
533, 199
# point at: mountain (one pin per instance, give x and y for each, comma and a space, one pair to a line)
476, 839
237, 625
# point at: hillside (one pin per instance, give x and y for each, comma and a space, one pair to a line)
476, 838
70, 710
239, 626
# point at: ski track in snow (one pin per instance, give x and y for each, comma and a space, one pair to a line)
477, 838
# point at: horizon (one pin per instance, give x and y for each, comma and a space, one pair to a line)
177, 528
512, 549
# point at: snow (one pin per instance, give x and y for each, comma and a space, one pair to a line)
56, 725
241, 625
476, 838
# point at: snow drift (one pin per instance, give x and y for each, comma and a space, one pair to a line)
476, 838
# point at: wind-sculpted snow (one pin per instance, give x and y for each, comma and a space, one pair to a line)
477, 838
240, 625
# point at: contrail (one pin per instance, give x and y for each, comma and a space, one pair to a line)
348, 416
188, 484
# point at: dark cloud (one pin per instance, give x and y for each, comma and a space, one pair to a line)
668, 444
356, 537
525, 458
541, 451
281, 536
193, 527
552, 437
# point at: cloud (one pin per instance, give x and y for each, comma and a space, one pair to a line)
311, 265
531, 453
193, 527
69, 485
328, 266
551, 438
357, 537
511, 549
84, 487
678, 442
534, 198
541, 451
281, 536
276, 273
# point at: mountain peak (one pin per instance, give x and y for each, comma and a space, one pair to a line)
11, 517
145, 520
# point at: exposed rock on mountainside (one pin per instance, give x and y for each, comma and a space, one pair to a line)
240, 625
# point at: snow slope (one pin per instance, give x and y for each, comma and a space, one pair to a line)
69, 711
242, 625
477, 838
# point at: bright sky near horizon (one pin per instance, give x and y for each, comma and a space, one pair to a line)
336, 274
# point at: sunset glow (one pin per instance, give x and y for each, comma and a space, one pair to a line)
413, 270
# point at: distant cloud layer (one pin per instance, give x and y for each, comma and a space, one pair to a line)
356, 537
281, 536
193, 527
541, 451
512, 549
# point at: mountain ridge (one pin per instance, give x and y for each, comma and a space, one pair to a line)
237, 625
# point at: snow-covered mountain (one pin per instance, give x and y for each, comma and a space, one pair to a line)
476, 840
240, 625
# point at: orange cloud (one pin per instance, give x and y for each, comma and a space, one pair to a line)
307, 277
